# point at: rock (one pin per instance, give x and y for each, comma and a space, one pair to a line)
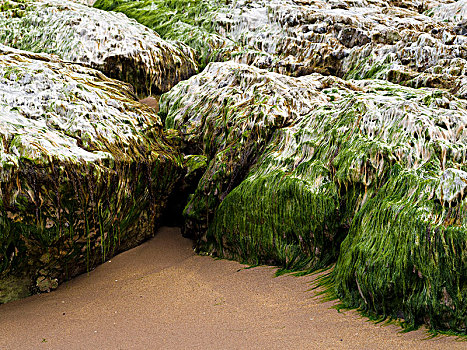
299, 166
452, 11
192, 23
228, 113
13, 288
110, 42
45, 284
402, 41
78, 156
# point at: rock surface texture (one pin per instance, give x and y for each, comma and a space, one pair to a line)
85, 170
411, 43
110, 42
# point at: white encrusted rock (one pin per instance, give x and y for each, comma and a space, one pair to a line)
111, 42
85, 170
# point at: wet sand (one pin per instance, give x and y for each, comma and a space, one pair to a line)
161, 295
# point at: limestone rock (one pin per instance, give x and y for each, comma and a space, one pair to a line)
110, 42
85, 168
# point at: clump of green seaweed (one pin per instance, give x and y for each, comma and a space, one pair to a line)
86, 170
405, 256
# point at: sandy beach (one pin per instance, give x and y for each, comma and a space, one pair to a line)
161, 295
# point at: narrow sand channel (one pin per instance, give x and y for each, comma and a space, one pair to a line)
161, 295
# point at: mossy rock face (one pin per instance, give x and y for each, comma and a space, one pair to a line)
85, 170
366, 173
409, 42
382, 167
112, 43
405, 255
228, 113
192, 22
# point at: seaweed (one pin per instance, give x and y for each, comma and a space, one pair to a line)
404, 256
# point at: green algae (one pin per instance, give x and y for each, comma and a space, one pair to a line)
13, 288
405, 257
290, 222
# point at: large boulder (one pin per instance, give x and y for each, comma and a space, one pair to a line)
192, 22
297, 166
227, 114
382, 167
411, 43
85, 170
110, 42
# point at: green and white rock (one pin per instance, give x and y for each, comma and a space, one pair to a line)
110, 42
297, 166
85, 170
350, 39
382, 167
454, 12
228, 113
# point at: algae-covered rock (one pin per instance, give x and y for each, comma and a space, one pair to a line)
228, 113
112, 43
452, 11
404, 42
296, 166
383, 167
192, 22
85, 169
